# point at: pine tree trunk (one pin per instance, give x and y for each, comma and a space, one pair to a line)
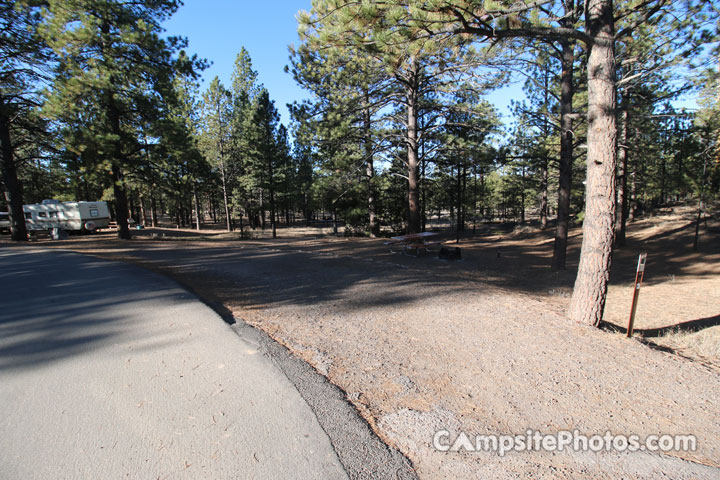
413, 213
567, 91
423, 192
121, 205
463, 202
131, 206
459, 226
225, 197
113, 118
121, 201
262, 209
306, 210
522, 198
622, 203
196, 200
370, 171
143, 212
11, 185
153, 211
632, 204
545, 161
588, 299
544, 196
273, 216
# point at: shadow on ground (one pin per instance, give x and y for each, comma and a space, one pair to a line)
50, 313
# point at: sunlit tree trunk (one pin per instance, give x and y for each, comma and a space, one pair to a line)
588, 299
225, 196
196, 201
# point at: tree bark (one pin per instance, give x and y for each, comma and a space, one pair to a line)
588, 299
544, 195
121, 204
370, 172
567, 91
196, 201
143, 211
116, 154
153, 211
413, 213
225, 196
545, 165
522, 197
11, 185
622, 202
632, 204
131, 206
273, 216
262, 209
423, 191
701, 206
121, 201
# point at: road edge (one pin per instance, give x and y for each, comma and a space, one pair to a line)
362, 453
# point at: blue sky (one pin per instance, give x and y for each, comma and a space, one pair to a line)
217, 29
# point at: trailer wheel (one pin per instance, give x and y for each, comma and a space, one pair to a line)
90, 226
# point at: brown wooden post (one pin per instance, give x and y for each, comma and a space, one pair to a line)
636, 291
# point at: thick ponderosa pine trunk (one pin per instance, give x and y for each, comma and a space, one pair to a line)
588, 299
567, 90
11, 184
413, 163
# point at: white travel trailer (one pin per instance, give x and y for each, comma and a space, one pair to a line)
4, 222
70, 216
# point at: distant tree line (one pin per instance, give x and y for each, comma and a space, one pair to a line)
399, 130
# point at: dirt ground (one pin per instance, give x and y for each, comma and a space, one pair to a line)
479, 345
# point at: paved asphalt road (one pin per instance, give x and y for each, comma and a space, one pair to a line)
110, 371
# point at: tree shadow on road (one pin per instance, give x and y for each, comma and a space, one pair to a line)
49, 313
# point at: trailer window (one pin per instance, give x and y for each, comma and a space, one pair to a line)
28, 215
93, 212
42, 214
52, 214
